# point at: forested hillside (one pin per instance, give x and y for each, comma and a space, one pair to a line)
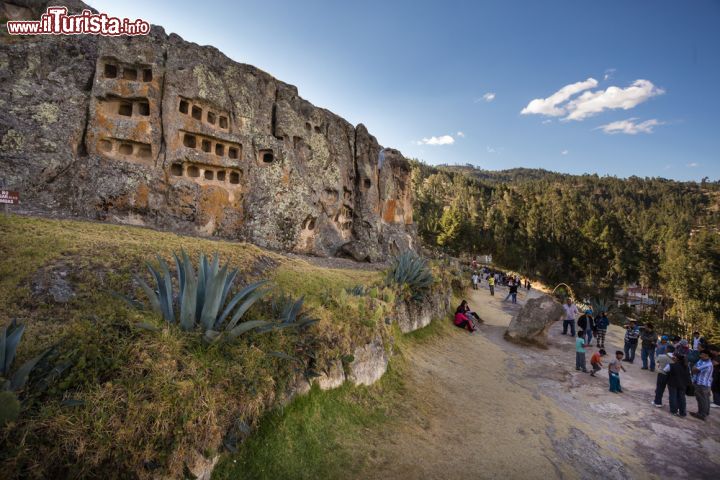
595, 233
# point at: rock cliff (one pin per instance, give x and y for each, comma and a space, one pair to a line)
153, 130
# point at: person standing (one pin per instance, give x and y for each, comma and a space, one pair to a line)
662, 346
663, 360
702, 379
571, 313
614, 371
514, 291
632, 334
475, 280
580, 352
715, 387
648, 339
491, 284
601, 325
586, 323
696, 341
677, 381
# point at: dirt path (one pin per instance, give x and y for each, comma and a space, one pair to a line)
479, 407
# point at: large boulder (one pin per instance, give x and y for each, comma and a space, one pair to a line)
531, 323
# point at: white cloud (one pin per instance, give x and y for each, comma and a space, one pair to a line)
441, 140
592, 103
549, 106
693, 165
609, 73
489, 96
546, 121
490, 150
460, 134
564, 152
630, 127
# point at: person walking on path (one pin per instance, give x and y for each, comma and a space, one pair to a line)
632, 334
601, 325
678, 380
580, 352
648, 339
596, 361
586, 323
702, 379
663, 360
491, 284
662, 346
614, 371
571, 313
475, 280
512, 293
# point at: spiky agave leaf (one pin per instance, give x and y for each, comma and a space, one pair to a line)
245, 327
166, 291
188, 302
244, 307
10, 341
213, 296
20, 377
237, 299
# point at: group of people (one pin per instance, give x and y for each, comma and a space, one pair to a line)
493, 278
682, 369
466, 318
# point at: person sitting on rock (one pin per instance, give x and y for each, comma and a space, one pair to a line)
464, 317
461, 318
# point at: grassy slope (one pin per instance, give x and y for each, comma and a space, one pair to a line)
152, 400
321, 435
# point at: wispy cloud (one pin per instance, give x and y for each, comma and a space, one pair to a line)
436, 141
550, 105
590, 103
564, 152
460, 134
609, 73
692, 165
546, 121
487, 97
630, 126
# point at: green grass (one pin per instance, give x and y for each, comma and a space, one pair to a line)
323, 434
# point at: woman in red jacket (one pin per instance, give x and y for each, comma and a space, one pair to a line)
462, 317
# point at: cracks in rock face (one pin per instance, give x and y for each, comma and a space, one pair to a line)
273, 115
82, 150
163, 143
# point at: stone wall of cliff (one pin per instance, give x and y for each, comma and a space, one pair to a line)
153, 130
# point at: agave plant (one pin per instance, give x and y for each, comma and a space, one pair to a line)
202, 299
357, 290
9, 340
411, 270
601, 305
288, 313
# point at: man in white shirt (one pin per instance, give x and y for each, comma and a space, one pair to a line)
571, 313
696, 341
475, 280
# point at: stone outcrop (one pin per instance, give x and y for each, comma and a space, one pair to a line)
532, 322
412, 316
157, 131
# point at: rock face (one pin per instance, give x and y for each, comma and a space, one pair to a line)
531, 323
412, 316
154, 130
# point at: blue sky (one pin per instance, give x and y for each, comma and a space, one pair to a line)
418, 75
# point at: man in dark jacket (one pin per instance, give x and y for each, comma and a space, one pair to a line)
648, 342
677, 382
587, 325
601, 325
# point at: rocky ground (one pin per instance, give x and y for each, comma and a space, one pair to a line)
480, 407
